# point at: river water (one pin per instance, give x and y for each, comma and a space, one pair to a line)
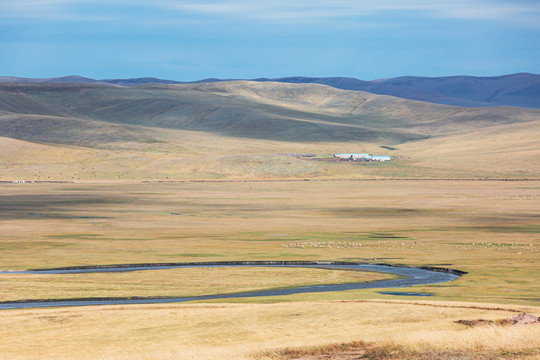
414, 276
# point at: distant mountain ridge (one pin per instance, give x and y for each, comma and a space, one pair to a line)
518, 90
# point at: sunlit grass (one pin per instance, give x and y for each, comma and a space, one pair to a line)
181, 282
245, 331
488, 229
469, 226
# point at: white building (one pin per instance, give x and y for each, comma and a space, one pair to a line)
359, 157
380, 158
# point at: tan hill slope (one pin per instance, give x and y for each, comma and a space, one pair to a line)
249, 130
372, 110
498, 151
188, 108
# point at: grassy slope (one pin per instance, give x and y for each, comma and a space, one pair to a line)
238, 129
500, 151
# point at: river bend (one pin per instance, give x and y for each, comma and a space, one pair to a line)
413, 276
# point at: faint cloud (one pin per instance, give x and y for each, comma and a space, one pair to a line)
515, 11
63, 10
524, 12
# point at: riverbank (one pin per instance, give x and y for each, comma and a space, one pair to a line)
409, 276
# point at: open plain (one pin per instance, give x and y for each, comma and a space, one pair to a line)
487, 228
243, 171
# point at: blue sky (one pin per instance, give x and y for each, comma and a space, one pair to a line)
191, 40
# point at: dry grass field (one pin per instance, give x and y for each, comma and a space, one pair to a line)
171, 283
261, 331
487, 228
211, 172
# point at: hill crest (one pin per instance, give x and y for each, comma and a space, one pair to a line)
246, 129
518, 90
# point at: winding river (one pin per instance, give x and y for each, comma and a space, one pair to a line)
413, 276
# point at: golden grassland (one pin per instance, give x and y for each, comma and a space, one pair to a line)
256, 331
506, 151
498, 150
487, 228
171, 283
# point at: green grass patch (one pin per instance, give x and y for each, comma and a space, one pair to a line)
197, 255
526, 229
76, 236
326, 237
29, 245
93, 201
92, 237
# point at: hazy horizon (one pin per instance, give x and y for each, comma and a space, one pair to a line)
246, 79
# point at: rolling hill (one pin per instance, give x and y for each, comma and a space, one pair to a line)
243, 129
518, 90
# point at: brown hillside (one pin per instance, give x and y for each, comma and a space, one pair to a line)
245, 130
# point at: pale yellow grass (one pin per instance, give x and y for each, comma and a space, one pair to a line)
245, 331
170, 283
517, 338
465, 225
178, 154
489, 229
503, 150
